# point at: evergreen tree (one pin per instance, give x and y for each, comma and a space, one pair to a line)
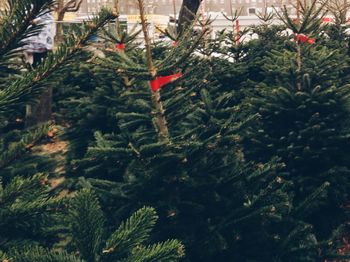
27, 206
24, 87
303, 104
240, 62
85, 103
90, 241
30, 213
27, 212
177, 149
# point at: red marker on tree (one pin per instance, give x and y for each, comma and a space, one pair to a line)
327, 20
120, 46
301, 38
161, 81
311, 40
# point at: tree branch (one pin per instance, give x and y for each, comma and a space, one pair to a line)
71, 6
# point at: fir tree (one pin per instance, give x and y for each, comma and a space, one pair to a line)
26, 203
23, 88
177, 149
129, 242
31, 214
27, 212
303, 107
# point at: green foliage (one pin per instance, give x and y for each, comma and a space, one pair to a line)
88, 234
158, 252
87, 102
40, 254
311, 17
308, 130
117, 35
19, 90
303, 109
15, 156
86, 224
29, 210
14, 28
26, 212
23, 89
251, 181
206, 193
129, 235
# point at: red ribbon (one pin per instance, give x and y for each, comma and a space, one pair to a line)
311, 41
161, 81
238, 37
301, 38
120, 46
327, 20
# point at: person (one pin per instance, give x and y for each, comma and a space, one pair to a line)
36, 49
37, 46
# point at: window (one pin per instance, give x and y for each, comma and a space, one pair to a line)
251, 11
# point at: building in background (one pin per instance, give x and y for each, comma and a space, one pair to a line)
129, 7
247, 7
166, 7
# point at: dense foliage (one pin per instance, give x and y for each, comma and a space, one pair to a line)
244, 157
37, 223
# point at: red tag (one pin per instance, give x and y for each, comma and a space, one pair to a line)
301, 38
311, 41
238, 37
174, 44
120, 46
161, 81
327, 20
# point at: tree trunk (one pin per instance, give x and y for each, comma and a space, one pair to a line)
188, 11
59, 28
40, 111
59, 25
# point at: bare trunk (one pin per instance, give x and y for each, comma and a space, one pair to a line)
188, 11
175, 24
41, 111
161, 122
298, 10
59, 29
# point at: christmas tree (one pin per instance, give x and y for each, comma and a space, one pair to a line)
32, 214
303, 118
177, 146
27, 204
86, 221
243, 156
